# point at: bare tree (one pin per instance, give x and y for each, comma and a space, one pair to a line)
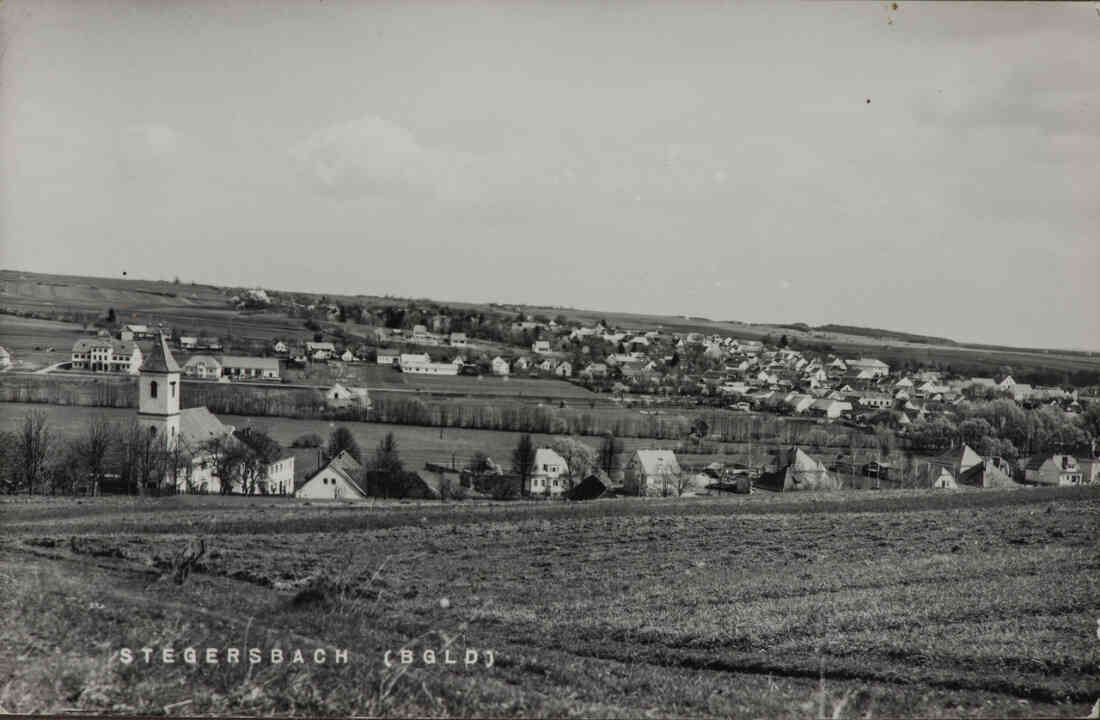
32, 449
258, 452
93, 448
227, 457
579, 458
8, 476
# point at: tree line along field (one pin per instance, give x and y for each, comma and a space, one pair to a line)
416, 444
896, 605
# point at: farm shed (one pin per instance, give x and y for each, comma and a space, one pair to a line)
593, 486
800, 472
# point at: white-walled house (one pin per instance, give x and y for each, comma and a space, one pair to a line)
337, 480
205, 367
651, 472
320, 350
1054, 469
564, 369
876, 367
500, 366
541, 347
546, 476
391, 359
458, 339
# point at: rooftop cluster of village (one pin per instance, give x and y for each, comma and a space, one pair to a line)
644, 366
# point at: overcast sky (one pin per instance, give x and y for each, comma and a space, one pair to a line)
934, 168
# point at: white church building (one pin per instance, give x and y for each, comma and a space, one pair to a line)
189, 429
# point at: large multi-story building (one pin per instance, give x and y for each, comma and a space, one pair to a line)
106, 355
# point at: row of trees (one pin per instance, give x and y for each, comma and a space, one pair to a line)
1001, 427
126, 458
37, 459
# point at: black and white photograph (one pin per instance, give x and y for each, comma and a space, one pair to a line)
588, 359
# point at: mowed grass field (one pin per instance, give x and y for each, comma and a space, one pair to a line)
901, 604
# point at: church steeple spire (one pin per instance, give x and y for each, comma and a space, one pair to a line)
160, 359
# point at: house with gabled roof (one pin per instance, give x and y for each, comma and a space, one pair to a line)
338, 479
204, 367
1055, 469
500, 366
547, 474
798, 471
651, 472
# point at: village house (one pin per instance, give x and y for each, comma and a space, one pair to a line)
521, 363
546, 474
1090, 470
5, 359
135, 332
799, 403
421, 364
798, 471
205, 367
564, 369
280, 348
421, 336
388, 358
595, 370
830, 408
458, 339
651, 472
348, 356
320, 350
500, 366
876, 367
106, 355
965, 466
1057, 469
877, 400
338, 479
546, 365
340, 396
239, 367
541, 347
188, 342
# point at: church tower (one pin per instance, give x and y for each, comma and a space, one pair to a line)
159, 394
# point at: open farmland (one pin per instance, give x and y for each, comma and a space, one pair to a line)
29, 339
900, 604
381, 378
